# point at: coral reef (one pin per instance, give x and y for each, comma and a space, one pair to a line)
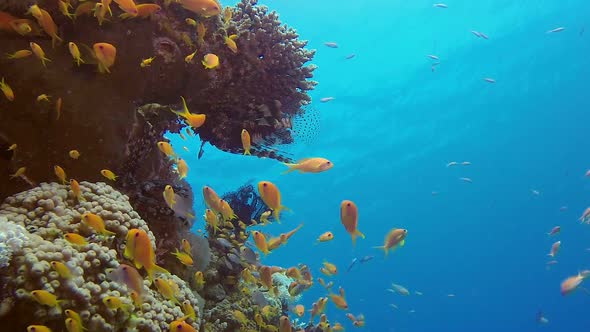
43, 215
261, 87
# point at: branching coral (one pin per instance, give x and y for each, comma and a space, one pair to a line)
47, 213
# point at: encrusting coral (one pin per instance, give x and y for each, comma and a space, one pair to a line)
43, 215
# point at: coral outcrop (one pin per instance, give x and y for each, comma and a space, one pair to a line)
43, 216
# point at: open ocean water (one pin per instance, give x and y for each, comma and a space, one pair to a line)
394, 125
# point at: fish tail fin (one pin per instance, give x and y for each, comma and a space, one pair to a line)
382, 248
292, 168
353, 235
276, 214
357, 232
109, 233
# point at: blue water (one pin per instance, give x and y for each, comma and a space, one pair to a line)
391, 130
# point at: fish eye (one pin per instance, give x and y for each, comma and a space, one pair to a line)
101, 47
108, 300
137, 234
347, 204
264, 184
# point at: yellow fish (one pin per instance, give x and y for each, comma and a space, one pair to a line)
7, 90
169, 196
64, 8
310, 165
212, 220
76, 239
95, 222
166, 149
73, 326
227, 14
75, 52
199, 280
193, 120
43, 97
184, 258
231, 43
38, 328
188, 309
114, 303
75, 186
165, 288
271, 196
60, 173
19, 54
246, 143
146, 62
109, 174
71, 314
45, 298
189, 58
61, 269
190, 21
100, 12
186, 246
226, 211
182, 168
39, 53
240, 317
105, 53
210, 61
74, 154
12, 147
19, 172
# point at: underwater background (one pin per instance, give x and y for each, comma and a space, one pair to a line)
392, 128
465, 123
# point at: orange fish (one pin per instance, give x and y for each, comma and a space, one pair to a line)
285, 324
286, 236
246, 143
396, 237
143, 254
572, 283
260, 241
554, 249
105, 53
327, 236
128, 6
349, 218
143, 10
129, 276
271, 197
46, 22
206, 8
339, 300
310, 165
193, 120
95, 222
212, 200
299, 310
